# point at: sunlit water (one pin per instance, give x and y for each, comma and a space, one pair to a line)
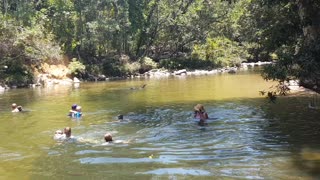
246, 136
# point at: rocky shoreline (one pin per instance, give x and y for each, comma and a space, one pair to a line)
161, 73
49, 79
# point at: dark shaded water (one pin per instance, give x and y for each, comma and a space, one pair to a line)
246, 137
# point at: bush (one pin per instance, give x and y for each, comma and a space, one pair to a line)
16, 74
221, 51
185, 63
38, 45
147, 64
25, 48
112, 67
132, 68
76, 67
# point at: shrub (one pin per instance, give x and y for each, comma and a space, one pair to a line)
221, 51
132, 68
147, 64
76, 67
186, 63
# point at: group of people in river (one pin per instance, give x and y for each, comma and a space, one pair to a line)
75, 112
65, 134
200, 115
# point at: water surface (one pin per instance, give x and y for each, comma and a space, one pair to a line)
246, 138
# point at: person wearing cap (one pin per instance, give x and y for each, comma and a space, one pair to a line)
73, 110
200, 113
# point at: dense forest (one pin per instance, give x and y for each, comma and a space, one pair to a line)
125, 37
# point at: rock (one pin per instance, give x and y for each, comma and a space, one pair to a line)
180, 72
232, 70
76, 80
101, 77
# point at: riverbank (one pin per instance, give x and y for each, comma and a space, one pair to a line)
58, 75
162, 73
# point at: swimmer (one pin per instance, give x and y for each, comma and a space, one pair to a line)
64, 135
78, 112
201, 114
73, 110
120, 117
58, 135
108, 140
67, 132
108, 137
16, 108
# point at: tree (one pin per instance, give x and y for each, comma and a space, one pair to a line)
295, 41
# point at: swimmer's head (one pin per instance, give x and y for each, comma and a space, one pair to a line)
74, 106
67, 131
199, 108
78, 108
13, 106
120, 117
108, 137
19, 108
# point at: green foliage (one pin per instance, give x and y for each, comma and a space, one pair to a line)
76, 67
112, 67
188, 63
177, 34
18, 75
38, 46
13, 57
132, 68
147, 64
221, 51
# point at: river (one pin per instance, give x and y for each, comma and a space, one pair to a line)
247, 137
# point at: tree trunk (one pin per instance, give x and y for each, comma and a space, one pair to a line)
309, 13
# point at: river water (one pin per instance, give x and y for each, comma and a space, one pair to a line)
246, 137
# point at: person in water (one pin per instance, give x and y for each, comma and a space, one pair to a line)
58, 135
73, 110
78, 112
200, 113
63, 135
67, 132
16, 108
108, 137
120, 117
109, 140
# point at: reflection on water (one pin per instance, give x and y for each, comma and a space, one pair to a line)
246, 137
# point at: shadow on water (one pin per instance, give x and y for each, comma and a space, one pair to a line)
298, 125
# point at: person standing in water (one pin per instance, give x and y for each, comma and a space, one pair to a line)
200, 113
